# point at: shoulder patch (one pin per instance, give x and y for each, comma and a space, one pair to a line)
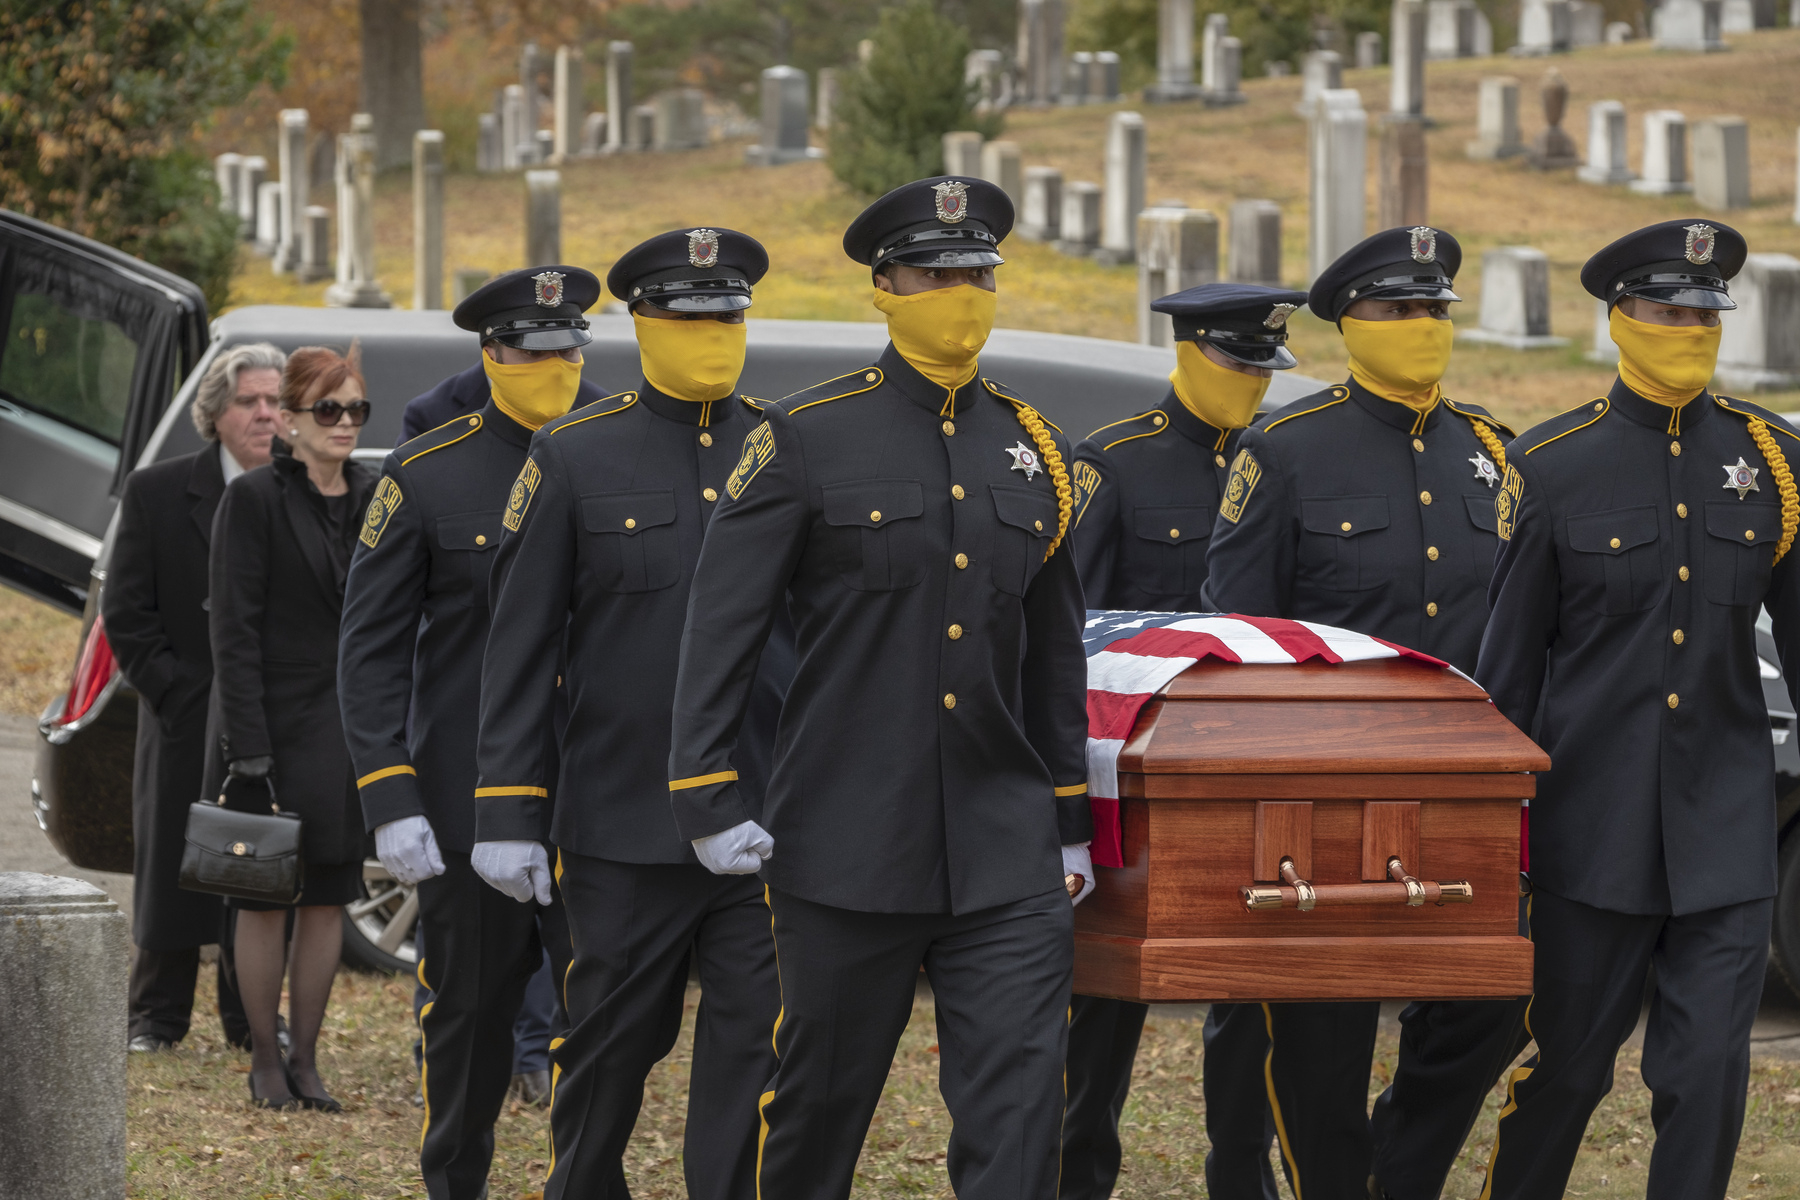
1246, 473
1506, 502
382, 506
1085, 479
759, 451
519, 499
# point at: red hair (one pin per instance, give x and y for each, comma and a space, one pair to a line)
313, 371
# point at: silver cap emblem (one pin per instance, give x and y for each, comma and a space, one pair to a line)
703, 247
549, 288
1424, 243
1278, 316
952, 201
1699, 244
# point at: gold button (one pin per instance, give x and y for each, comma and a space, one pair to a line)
1040, 526
1615, 543
706, 439
1683, 573
1680, 637
955, 632
949, 428
1345, 527
1674, 700
481, 539
876, 515
1157, 420
1431, 553
949, 699
870, 377
1418, 445
1681, 510
1675, 449
1424, 497
1218, 460
1431, 609
962, 560
1749, 535
1599, 406
631, 522
956, 490
474, 420
239, 848
710, 494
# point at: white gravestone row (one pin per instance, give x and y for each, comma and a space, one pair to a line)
1689, 25
1497, 120
1221, 63
1717, 147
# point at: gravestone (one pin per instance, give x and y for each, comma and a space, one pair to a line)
1587, 23
1174, 53
315, 244
1665, 154
1406, 92
786, 113
1553, 148
227, 174
619, 101
569, 105
516, 142
1075, 78
1040, 217
1178, 248
593, 134
1368, 51
1759, 348
1619, 32
1319, 70
1604, 349
428, 219
1079, 232
1484, 35
1125, 188
252, 173
1606, 145
64, 950
1797, 148
464, 282
292, 158
1337, 161
826, 99
643, 126
1449, 29
1515, 300
681, 119
1256, 243
1040, 50
962, 153
1737, 16
1403, 186
1103, 77
543, 218
1544, 27
1689, 25
356, 286
543, 145
1222, 64
986, 70
269, 208
487, 142
1497, 120
1000, 167
1722, 163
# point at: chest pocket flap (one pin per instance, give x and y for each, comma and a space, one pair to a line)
629, 513
1481, 513
1172, 526
1733, 520
1613, 532
872, 503
1025, 508
1344, 516
469, 531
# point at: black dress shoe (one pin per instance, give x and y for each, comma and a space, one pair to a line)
324, 1103
285, 1104
149, 1043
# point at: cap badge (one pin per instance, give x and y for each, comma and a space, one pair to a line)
1424, 243
1277, 318
952, 201
1700, 244
1025, 459
703, 247
549, 288
1741, 477
1484, 469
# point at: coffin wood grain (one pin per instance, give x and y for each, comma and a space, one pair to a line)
1382, 679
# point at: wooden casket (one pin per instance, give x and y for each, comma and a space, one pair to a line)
1314, 831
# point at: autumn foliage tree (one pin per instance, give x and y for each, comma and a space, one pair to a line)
101, 104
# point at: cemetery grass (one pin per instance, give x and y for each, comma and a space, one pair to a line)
37, 652
192, 1135
1207, 158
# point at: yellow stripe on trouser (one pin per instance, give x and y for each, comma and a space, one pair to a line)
1519, 1075
555, 1075
762, 1101
424, 1058
1281, 1134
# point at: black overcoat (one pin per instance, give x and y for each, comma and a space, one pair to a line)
277, 597
154, 606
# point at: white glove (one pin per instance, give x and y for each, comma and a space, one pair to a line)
409, 850
1077, 861
520, 869
739, 850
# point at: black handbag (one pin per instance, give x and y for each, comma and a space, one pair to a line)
245, 855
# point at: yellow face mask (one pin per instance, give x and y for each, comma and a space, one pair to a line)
1670, 364
941, 332
1400, 361
533, 393
1220, 396
691, 360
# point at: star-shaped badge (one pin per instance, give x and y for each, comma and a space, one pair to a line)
1742, 477
1025, 459
1484, 470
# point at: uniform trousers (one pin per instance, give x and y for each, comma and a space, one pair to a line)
1001, 979
1316, 1076
1103, 1043
1239, 1122
162, 994
635, 926
1591, 966
479, 948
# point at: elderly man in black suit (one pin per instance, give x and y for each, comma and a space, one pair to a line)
155, 608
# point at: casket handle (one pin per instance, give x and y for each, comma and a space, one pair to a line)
1302, 889
1305, 896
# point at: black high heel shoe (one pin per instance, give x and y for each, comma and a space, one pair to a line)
324, 1103
259, 1101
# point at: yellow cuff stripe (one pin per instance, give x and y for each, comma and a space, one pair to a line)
1074, 789
384, 773
682, 785
512, 791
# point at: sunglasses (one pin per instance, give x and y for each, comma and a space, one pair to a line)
328, 412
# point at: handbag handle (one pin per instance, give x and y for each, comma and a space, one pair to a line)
268, 782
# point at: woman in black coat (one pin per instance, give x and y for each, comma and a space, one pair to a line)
281, 547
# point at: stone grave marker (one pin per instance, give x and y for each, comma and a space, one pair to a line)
1497, 120
252, 173
1619, 32
1606, 163
1255, 242
1174, 53
1000, 167
315, 246
1587, 23
543, 218
1553, 148
986, 69
962, 153
516, 142
786, 113
1040, 50
464, 281
1759, 348
1221, 64
1178, 248
1075, 78
1604, 349
356, 286
269, 207
1515, 300
1368, 51
1125, 187
1103, 77
1406, 92
1403, 186
1079, 232
1449, 29
1040, 217
619, 101
681, 119
1319, 70
487, 142
227, 174
1665, 154
1337, 173
1737, 16
825, 99
292, 159
1722, 163
1545, 27
428, 218
543, 144
593, 134
569, 105
1690, 25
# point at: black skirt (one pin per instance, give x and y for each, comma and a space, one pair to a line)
329, 884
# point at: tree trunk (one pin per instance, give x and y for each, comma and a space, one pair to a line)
393, 78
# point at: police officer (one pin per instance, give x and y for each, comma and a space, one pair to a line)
415, 621
1623, 640
1146, 490
1369, 506
602, 532
930, 760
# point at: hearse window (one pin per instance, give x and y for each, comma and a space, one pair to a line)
74, 368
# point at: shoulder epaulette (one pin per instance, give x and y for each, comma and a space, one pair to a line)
1575, 419
1338, 395
1017, 401
447, 434
866, 379
1773, 420
606, 406
1129, 429
754, 404
1476, 412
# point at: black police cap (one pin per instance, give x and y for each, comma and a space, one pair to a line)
537, 308
1246, 321
690, 270
949, 221
1675, 262
1418, 263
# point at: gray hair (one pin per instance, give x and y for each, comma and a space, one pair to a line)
219, 386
